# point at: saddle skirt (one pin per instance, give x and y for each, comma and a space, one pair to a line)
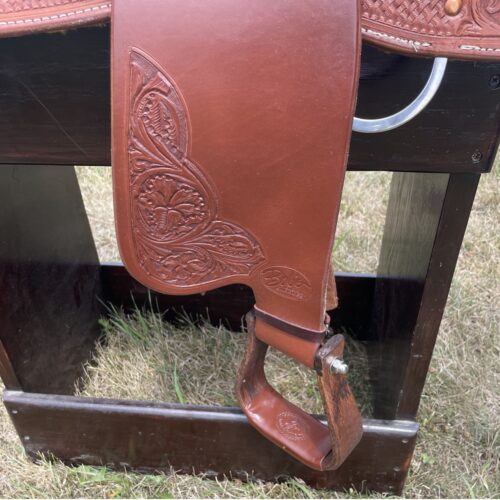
231, 124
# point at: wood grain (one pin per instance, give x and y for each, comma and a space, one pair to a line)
49, 278
217, 441
426, 220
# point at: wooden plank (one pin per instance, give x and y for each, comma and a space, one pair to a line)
216, 441
49, 279
54, 96
228, 305
457, 205
426, 219
457, 132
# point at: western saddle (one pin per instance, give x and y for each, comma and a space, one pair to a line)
231, 124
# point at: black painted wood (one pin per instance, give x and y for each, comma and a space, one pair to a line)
215, 441
228, 305
458, 130
457, 204
54, 96
49, 279
426, 220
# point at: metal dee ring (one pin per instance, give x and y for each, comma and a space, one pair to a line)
374, 126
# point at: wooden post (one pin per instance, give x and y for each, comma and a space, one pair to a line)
426, 221
49, 275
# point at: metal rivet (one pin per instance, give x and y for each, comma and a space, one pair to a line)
453, 7
477, 156
495, 82
337, 365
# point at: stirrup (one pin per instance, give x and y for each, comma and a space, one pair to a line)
292, 429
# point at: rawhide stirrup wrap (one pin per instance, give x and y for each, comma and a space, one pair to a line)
231, 124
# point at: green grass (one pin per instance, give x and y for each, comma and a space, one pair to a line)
458, 448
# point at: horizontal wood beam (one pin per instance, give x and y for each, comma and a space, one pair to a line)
216, 441
55, 102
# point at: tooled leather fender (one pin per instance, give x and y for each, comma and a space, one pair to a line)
455, 28
227, 139
230, 137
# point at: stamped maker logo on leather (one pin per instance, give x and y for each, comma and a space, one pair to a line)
291, 427
286, 282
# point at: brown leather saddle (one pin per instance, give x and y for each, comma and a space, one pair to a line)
231, 127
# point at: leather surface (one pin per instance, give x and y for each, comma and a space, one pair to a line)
298, 433
301, 349
283, 423
463, 29
226, 139
345, 423
23, 17
460, 29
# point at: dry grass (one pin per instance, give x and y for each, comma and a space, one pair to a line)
146, 358
458, 449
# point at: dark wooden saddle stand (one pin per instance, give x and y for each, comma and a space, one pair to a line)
206, 93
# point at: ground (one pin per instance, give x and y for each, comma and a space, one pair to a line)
458, 450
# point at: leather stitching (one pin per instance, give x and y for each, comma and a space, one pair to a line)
57, 16
416, 45
381, 34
